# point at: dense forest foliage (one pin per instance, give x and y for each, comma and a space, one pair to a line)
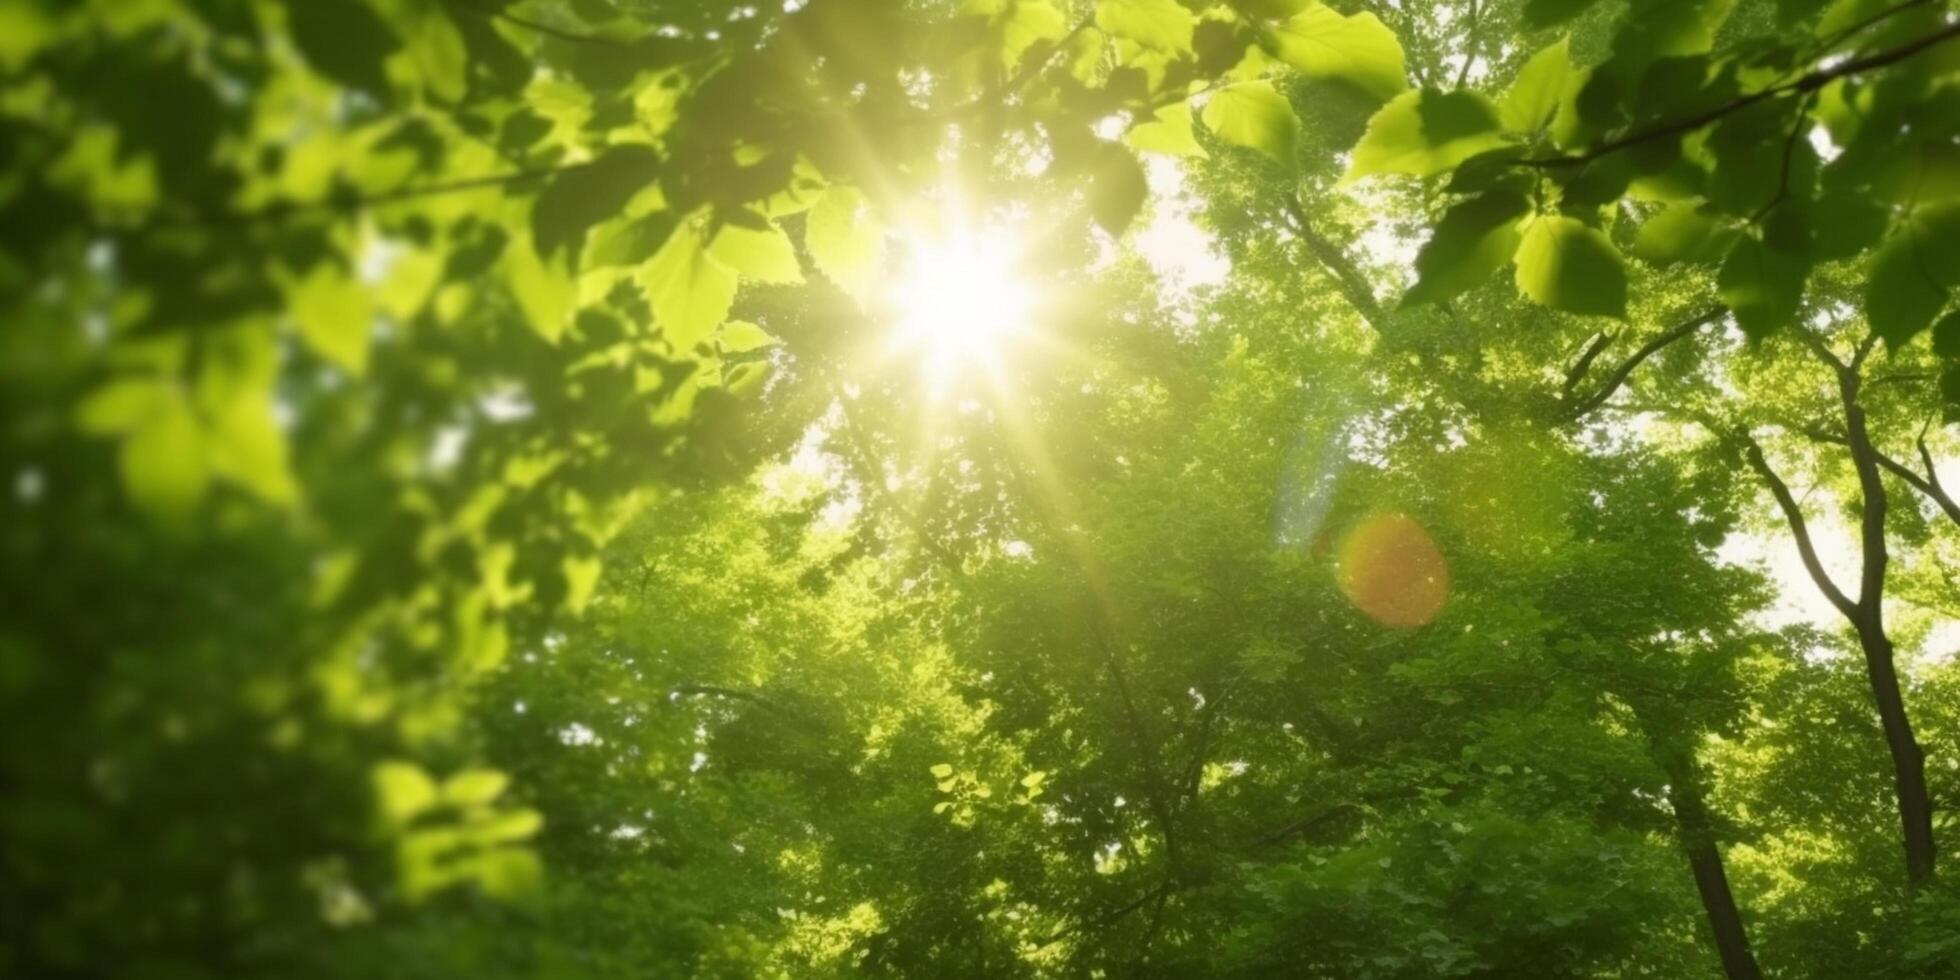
979, 488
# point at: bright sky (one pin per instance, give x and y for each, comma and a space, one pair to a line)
1172, 243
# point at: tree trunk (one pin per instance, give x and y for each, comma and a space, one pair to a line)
1866, 613
1669, 746
1712, 878
1908, 759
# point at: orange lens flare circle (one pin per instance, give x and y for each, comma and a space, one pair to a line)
1391, 570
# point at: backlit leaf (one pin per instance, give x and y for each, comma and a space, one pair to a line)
163, 461
845, 240
740, 336
763, 254
689, 290
1168, 132
1682, 233
1117, 189
1160, 24
543, 287
1762, 286
1472, 241
403, 791
474, 787
1534, 96
1906, 291
1568, 266
1425, 132
1358, 48
334, 316
1254, 115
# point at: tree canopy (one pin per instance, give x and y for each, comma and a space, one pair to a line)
979, 488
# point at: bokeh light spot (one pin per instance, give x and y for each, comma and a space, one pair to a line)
1392, 571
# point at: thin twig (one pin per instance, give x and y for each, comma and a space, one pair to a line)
1027, 74
541, 28
1808, 83
1887, 14
1469, 45
1577, 372
1649, 349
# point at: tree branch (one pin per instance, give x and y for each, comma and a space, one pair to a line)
1469, 44
1887, 14
1160, 890
1577, 372
1353, 285
1789, 149
1810, 82
1799, 529
1928, 484
1303, 825
1649, 349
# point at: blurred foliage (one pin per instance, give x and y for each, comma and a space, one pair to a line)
459, 519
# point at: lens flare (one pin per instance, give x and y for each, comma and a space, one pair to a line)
1391, 570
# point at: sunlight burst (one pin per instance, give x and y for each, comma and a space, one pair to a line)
961, 301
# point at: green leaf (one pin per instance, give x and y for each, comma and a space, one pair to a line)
942, 770
1748, 149
1472, 241
247, 447
1273, 9
1568, 266
1762, 286
1905, 292
506, 827
1169, 132
1025, 24
739, 336
628, 241
1254, 115
1946, 335
1425, 132
763, 254
581, 579
509, 873
1117, 189
1534, 96
1939, 235
163, 462
24, 32
1790, 12
1163, 25
544, 289
1551, 13
845, 240
344, 40
333, 315
575, 200
117, 406
689, 290
402, 791
435, 46
474, 787
1655, 29
1682, 232
1359, 49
